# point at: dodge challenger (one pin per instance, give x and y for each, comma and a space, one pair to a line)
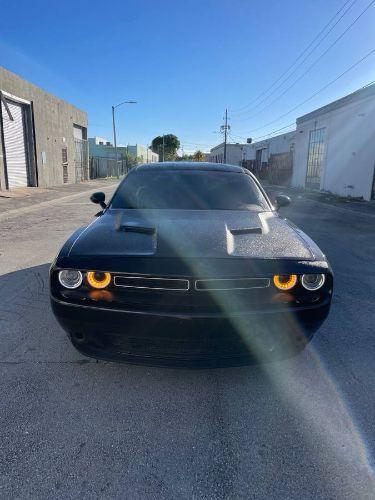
190, 264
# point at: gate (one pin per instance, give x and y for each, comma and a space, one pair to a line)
80, 160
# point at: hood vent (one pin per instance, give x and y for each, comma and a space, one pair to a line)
246, 230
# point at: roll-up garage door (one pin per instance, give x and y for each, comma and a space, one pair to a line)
14, 141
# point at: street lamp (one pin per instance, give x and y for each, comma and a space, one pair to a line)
114, 129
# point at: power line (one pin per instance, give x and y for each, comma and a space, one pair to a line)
303, 61
195, 144
301, 54
270, 133
309, 68
317, 92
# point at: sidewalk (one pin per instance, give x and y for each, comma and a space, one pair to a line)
23, 199
339, 203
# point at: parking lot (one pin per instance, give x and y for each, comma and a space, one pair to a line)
74, 428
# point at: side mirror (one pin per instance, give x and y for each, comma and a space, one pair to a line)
99, 198
282, 200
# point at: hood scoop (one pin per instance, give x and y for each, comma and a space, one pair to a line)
141, 239
239, 239
135, 228
246, 230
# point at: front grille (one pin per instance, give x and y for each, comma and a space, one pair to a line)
181, 284
158, 283
231, 284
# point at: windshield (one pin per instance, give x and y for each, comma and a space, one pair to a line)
189, 190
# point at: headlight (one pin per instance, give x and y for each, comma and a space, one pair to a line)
98, 279
70, 278
313, 281
285, 281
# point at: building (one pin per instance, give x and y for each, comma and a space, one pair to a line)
43, 139
235, 154
335, 146
331, 150
100, 147
271, 159
143, 154
261, 151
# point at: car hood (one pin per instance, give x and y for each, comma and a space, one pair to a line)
193, 234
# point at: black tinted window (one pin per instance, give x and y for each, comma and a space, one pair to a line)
189, 190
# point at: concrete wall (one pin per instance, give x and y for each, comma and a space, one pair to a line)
349, 158
53, 124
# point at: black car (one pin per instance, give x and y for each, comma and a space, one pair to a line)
190, 264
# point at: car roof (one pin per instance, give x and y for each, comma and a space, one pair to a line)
188, 165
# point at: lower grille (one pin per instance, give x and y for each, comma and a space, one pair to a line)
170, 347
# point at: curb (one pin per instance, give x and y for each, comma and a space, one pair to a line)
330, 205
340, 209
10, 214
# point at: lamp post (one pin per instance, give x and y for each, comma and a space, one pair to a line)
114, 130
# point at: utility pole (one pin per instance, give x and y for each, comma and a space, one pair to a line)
115, 140
225, 135
114, 131
163, 148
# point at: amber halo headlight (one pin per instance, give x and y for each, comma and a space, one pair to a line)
285, 281
312, 281
98, 279
70, 278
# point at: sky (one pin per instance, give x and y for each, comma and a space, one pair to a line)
184, 62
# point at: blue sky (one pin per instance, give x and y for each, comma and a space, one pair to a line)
185, 61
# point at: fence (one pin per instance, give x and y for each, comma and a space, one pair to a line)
277, 171
280, 169
80, 159
101, 167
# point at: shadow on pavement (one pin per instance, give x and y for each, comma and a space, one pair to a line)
104, 429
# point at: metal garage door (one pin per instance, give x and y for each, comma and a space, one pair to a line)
14, 141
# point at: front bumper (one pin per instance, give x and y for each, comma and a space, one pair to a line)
190, 340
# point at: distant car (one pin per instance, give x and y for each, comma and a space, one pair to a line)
190, 264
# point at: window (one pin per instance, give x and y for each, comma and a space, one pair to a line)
315, 158
189, 190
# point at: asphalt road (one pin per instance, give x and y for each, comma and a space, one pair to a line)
74, 428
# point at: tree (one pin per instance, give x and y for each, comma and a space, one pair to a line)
198, 156
171, 145
185, 157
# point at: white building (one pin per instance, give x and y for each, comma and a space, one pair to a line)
235, 154
261, 151
332, 149
335, 146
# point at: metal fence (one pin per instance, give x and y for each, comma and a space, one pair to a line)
101, 167
80, 159
278, 170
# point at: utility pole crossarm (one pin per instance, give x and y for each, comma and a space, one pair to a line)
225, 135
